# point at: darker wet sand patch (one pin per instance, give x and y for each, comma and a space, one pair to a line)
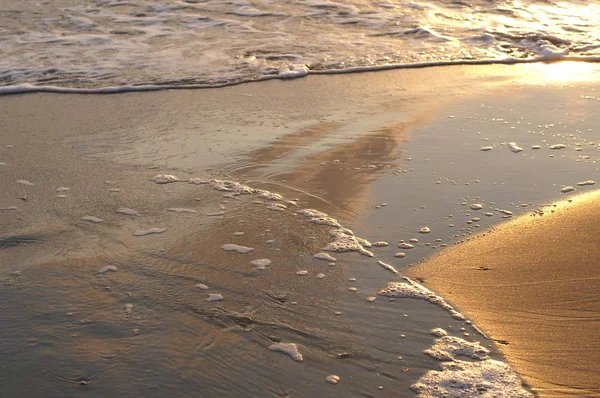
533, 285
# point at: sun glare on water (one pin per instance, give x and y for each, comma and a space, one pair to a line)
560, 72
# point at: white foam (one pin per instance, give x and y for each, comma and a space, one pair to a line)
567, 189
201, 286
411, 289
127, 211
23, 182
214, 297
62, 189
447, 348
405, 246
486, 148
92, 219
585, 183
320, 276
476, 206
164, 179
424, 230
400, 255
438, 332
114, 190
514, 147
231, 247
150, 231
388, 267
302, 272
277, 207
108, 268
489, 378
324, 256
379, 244
261, 263
318, 217
289, 349
332, 379
558, 146
346, 241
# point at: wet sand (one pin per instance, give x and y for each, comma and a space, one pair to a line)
533, 285
119, 278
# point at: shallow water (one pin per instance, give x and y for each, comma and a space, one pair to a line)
132, 44
149, 327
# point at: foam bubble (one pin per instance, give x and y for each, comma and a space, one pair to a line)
214, 297
567, 189
514, 147
164, 179
153, 230
289, 349
114, 190
62, 189
277, 207
23, 182
447, 348
324, 256
126, 211
198, 181
370, 299
388, 267
302, 272
92, 219
235, 188
486, 148
400, 255
238, 234
536, 147
379, 244
320, 276
476, 206
345, 241
489, 378
181, 210
201, 286
261, 263
405, 246
438, 332
412, 289
267, 195
588, 182
128, 308
332, 379
318, 217
424, 230
108, 268
558, 146
231, 247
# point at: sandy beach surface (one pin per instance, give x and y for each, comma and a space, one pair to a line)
532, 285
120, 285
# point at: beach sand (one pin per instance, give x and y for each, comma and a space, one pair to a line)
342, 144
532, 284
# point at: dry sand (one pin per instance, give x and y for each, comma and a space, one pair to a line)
533, 285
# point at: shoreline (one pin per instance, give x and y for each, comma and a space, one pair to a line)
305, 72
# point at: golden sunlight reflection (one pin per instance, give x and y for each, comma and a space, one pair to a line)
559, 72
